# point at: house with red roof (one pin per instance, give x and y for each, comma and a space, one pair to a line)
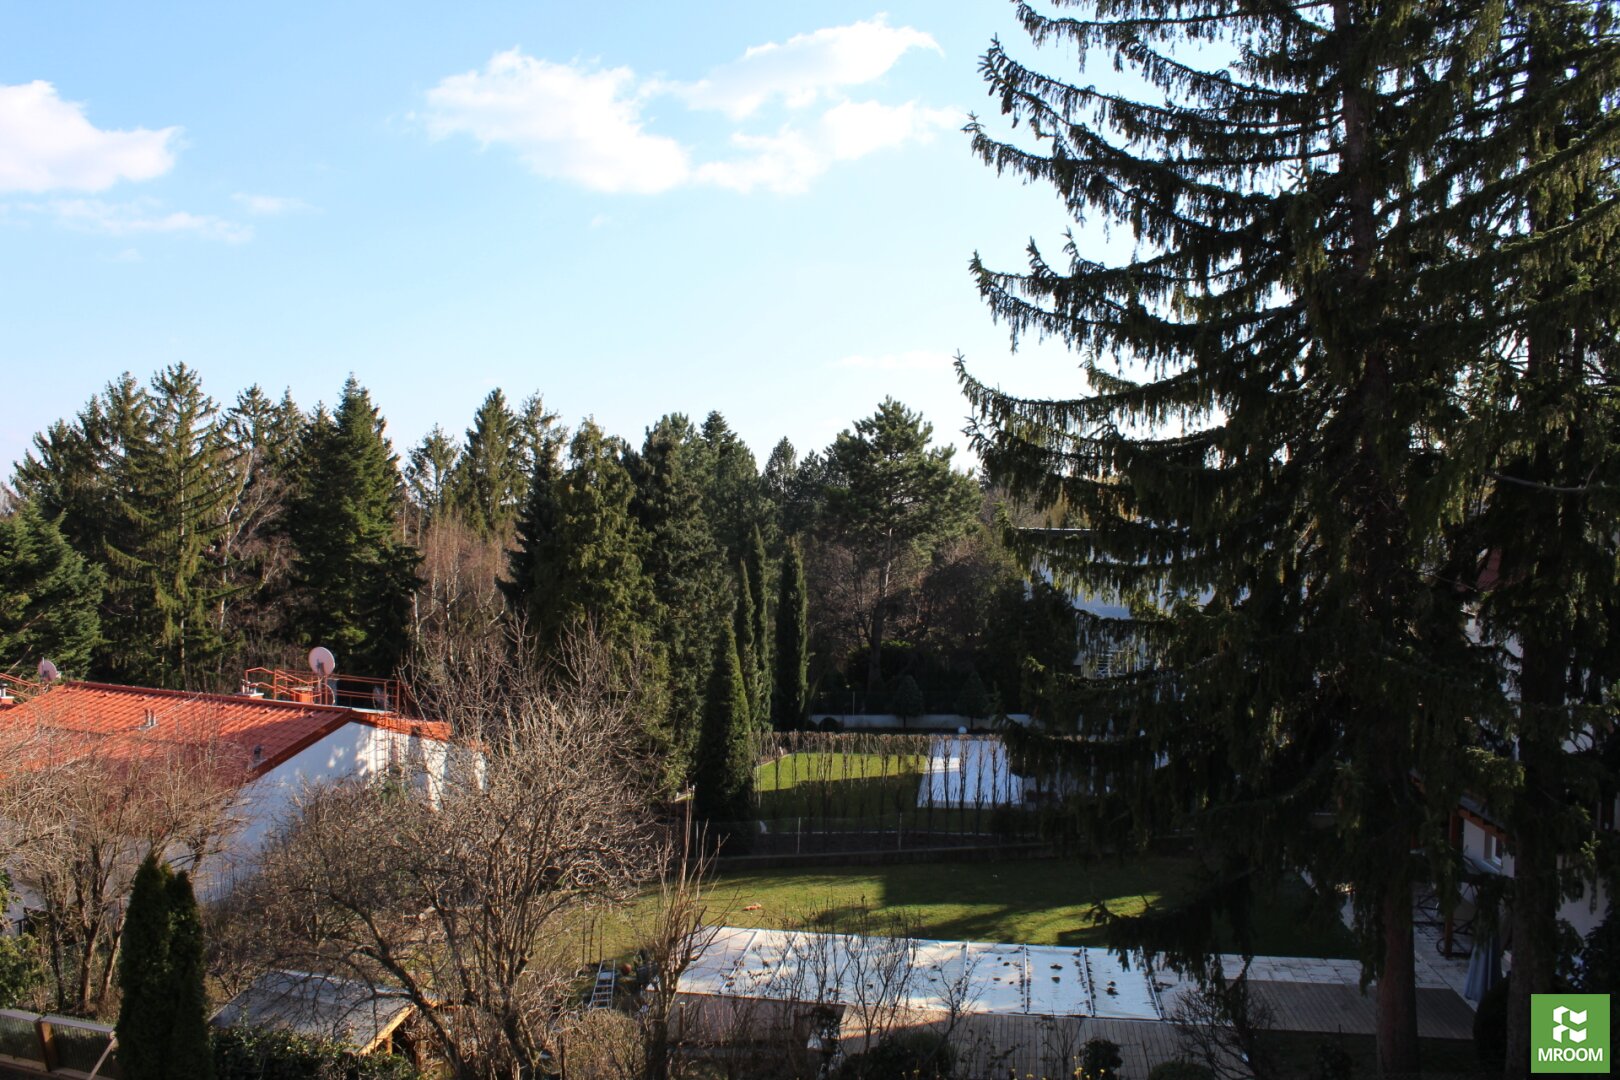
282, 733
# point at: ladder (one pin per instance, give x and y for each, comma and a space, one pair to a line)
602, 991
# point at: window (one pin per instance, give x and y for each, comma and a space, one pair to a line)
1495, 848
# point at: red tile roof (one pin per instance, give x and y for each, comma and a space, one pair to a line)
132, 718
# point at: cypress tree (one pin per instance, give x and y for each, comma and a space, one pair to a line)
723, 768
757, 569
165, 578
49, 596
742, 627
790, 688
1268, 454
489, 479
907, 702
146, 1015
189, 1053
354, 572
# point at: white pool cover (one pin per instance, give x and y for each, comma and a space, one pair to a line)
971, 976
966, 771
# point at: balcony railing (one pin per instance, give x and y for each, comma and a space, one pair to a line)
343, 691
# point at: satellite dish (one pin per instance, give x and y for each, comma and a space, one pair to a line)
321, 661
48, 672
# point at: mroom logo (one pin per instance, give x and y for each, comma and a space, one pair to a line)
1569, 1033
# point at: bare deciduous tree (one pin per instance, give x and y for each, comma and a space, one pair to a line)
462, 900
78, 814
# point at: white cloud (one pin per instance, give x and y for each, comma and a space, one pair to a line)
567, 122
787, 161
910, 360
589, 126
270, 205
805, 67
47, 144
140, 217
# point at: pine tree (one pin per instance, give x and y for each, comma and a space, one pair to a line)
354, 573
49, 596
189, 1054
146, 1016
684, 566
892, 496
164, 558
489, 480
1267, 454
723, 768
791, 689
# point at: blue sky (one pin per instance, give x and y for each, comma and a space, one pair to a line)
634, 209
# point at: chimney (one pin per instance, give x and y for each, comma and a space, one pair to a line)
149, 721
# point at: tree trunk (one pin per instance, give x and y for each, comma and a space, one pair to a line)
1397, 986
880, 611
1533, 914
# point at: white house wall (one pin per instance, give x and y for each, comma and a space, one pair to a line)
353, 750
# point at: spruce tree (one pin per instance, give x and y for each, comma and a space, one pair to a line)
146, 1015
723, 767
71, 473
352, 569
49, 596
534, 568
790, 691
262, 435
1268, 451
164, 557
687, 575
430, 469
189, 1054
1549, 578
489, 479
580, 550
733, 494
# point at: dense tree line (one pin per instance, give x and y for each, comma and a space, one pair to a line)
159, 538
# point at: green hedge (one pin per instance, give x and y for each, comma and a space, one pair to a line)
262, 1054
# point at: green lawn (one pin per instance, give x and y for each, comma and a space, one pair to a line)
843, 785
1033, 901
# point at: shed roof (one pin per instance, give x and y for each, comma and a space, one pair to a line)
319, 1006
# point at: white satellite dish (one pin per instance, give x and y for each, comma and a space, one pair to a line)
48, 672
321, 661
